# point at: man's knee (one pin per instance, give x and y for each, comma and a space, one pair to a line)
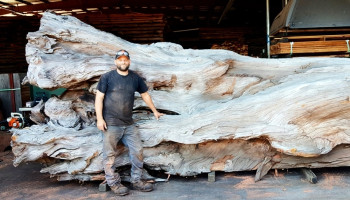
136, 155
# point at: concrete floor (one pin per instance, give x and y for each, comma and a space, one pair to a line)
26, 182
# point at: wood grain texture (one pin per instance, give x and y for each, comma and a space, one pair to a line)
236, 113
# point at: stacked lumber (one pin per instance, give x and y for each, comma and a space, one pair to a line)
314, 31
228, 38
218, 33
235, 46
135, 27
328, 45
310, 47
13, 42
317, 37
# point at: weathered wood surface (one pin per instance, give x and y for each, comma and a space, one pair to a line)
236, 113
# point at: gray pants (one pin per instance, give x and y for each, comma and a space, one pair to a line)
129, 135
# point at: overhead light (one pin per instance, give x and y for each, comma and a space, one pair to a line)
9, 15
90, 9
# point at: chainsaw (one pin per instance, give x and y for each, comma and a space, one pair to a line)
16, 120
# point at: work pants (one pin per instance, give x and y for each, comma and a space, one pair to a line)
129, 135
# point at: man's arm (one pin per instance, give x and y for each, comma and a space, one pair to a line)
101, 124
148, 100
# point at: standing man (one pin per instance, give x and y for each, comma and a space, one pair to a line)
114, 103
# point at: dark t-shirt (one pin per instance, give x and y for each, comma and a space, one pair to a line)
119, 96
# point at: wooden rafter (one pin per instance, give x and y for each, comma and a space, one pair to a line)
73, 4
4, 3
45, 1
25, 2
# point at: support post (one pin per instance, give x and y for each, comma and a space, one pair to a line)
211, 176
103, 187
268, 28
13, 98
310, 176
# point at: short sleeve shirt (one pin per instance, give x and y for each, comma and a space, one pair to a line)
119, 96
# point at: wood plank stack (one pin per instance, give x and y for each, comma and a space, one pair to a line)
218, 33
135, 27
229, 38
312, 45
13, 41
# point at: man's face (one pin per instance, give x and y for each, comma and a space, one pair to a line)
122, 63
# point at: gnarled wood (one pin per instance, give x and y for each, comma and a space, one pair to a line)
236, 113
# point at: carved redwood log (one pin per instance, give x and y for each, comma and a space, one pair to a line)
226, 112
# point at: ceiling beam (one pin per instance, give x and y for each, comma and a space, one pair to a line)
4, 3
25, 2
64, 5
12, 11
74, 4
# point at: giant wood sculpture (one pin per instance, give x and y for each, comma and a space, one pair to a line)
226, 112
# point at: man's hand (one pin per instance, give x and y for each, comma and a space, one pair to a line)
158, 114
101, 124
148, 100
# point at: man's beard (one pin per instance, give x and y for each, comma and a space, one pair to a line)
123, 69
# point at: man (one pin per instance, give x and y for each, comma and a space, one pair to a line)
114, 103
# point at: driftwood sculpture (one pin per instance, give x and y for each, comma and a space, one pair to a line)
226, 112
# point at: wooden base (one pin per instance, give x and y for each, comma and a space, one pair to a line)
211, 176
103, 187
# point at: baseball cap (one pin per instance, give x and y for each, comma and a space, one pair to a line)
120, 53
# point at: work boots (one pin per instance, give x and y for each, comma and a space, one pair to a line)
119, 189
142, 186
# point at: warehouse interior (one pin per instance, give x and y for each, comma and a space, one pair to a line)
271, 29
237, 25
